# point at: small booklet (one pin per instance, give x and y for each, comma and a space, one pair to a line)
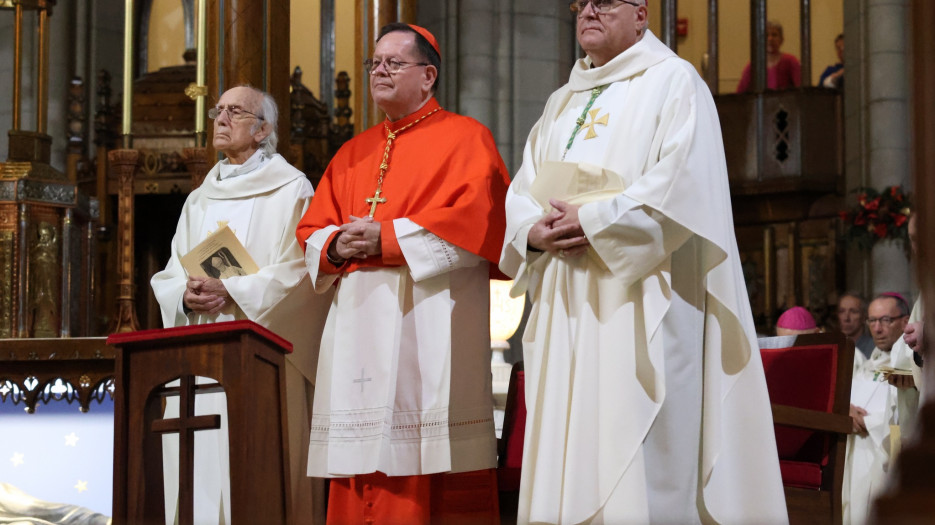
890, 371
221, 255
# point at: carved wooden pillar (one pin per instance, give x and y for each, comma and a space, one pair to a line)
248, 43
196, 160
123, 166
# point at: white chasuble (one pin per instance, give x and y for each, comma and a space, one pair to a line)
868, 454
386, 397
645, 392
262, 206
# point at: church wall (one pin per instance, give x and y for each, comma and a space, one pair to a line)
305, 44
166, 37
104, 48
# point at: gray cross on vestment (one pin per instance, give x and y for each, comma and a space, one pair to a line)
362, 380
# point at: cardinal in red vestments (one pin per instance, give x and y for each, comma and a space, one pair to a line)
407, 223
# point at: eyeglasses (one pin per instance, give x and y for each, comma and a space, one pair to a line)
600, 6
885, 320
391, 65
233, 113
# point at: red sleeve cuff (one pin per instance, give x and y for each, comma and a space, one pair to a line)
392, 253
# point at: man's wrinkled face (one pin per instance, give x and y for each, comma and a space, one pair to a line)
886, 322
850, 316
605, 35
236, 137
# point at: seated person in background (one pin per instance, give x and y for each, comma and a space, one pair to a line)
783, 70
874, 408
795, 321
833, 76
852, 320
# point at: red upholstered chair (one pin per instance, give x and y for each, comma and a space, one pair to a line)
510, 445
809, 382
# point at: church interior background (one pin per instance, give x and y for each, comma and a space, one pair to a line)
91, 181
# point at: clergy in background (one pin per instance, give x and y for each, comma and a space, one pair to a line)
261, 198
645, 391
878, 408
406, 223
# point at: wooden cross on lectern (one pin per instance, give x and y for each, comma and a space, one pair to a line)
186, 425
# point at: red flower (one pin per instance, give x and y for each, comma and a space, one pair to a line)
873, 205
898, 219
860, 219
880, 230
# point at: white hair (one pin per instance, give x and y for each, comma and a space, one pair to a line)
270, 114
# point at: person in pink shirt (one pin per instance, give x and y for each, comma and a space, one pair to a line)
783, 70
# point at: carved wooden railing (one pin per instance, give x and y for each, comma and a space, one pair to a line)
33, 371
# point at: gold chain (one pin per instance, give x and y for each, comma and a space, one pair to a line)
385, 164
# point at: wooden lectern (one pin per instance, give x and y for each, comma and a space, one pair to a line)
247, 361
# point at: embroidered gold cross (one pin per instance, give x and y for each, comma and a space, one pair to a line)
594, 122
221, 224
373, 201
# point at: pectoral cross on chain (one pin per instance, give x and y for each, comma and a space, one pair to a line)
594, 122
376, 199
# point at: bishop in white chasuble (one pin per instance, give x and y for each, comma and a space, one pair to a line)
645, 392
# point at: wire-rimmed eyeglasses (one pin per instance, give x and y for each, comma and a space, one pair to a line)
391, 65
233, 113
885, 320
600, 6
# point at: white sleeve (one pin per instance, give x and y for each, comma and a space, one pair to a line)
427, 254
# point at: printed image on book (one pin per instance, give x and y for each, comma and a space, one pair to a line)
220, 256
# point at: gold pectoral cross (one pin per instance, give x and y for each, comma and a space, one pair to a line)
594, 122
373, 201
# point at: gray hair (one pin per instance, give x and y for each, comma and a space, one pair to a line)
269, 113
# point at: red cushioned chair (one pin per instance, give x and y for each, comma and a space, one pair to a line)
510, 445
809, 384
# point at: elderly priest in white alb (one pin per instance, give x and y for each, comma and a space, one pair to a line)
645, 392
261, 197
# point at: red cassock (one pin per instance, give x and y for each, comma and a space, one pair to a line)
445, 175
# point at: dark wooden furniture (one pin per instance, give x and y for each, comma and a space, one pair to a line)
34, 366
247, 361
809, 382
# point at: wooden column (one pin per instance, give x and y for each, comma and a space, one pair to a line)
123, 167
248, 43
196, 160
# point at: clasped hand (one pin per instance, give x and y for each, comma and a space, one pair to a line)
359, 238
205, 295
559, 231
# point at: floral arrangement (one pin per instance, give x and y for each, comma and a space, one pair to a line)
877, 216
